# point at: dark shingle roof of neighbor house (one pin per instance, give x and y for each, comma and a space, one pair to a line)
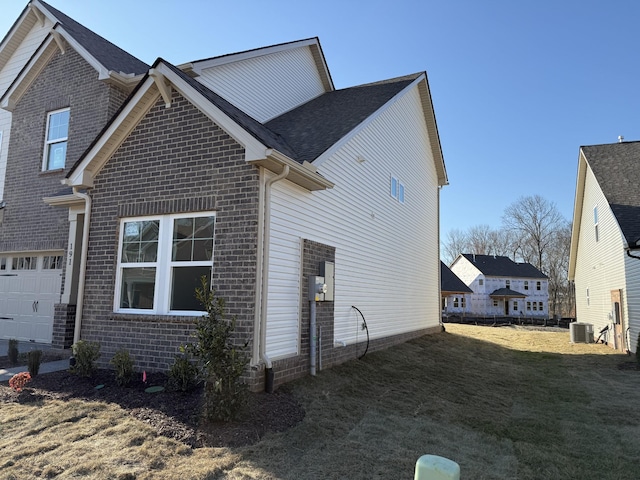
506, 292
450, 282
315, 126
498, 266
109, 55
616, 167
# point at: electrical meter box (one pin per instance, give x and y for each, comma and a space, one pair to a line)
317, 289
327, 270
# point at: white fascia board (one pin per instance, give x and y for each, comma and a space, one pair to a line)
254, 149
200, 65
365, 123
102, 150
103, 73
63, 201
16, 35
578, 203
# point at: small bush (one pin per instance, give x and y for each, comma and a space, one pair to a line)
34, 358
183, 375
222, 362
13, 351
123, 364
85, 354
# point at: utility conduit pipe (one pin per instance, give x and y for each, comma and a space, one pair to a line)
265, 277
83, 262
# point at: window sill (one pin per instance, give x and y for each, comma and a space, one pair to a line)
51, 172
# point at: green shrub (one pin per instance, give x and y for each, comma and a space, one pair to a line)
12, 352
221, 362
123, 364
85, 355
183, 374
34, 358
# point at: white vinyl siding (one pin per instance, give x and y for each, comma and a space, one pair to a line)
267, 86
599, 264
387, 260
11, 69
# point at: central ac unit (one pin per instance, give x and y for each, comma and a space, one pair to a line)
581, 332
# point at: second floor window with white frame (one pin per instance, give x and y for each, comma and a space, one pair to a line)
55, 145
595, 223
397, 189
161, 262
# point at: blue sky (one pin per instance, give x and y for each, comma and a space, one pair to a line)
517, 86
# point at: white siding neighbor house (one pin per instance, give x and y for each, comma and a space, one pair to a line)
605, 255
455, 293
502, 287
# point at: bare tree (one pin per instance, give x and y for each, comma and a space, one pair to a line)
535, 221
480, 240
556, 262
455, 244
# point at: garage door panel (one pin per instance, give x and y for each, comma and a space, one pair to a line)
28, 300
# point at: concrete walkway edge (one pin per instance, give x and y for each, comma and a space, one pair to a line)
48, 367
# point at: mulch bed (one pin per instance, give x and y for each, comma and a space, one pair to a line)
172, 414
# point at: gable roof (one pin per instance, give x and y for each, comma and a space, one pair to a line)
111, 62
499, 266
506, 292
616, 168
315, 126
112, 57
195, 67
450, 282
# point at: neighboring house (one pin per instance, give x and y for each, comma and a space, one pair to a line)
454, 292
252, 170
59, 85
502, 287
604, 262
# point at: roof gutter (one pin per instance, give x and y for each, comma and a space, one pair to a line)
83, 261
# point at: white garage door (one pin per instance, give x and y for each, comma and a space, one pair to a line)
29, 288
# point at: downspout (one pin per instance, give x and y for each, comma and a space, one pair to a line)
265, 277
83, 262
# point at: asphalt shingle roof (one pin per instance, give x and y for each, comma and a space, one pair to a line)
498, 266
506, 292
108, 54
450, 282
616, 167
313, 127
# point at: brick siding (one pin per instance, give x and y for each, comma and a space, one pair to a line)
176, 160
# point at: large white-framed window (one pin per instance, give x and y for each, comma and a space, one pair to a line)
161, 260
55, 144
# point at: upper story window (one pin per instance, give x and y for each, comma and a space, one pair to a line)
595, 222
397, 189
538, 285
480, 281
55, 145
161, 261
508, 283
588, 298
526, 285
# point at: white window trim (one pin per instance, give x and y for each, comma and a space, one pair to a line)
397, 189
163, 265
47, 142
595, 223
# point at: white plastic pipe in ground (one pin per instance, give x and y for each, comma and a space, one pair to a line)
433, 467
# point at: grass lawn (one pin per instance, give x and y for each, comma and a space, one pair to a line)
505, 403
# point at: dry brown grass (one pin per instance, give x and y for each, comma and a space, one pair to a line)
505, 403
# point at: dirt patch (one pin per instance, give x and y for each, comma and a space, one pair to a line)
172, 414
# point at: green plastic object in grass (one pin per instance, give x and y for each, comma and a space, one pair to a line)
99, 387
154, 389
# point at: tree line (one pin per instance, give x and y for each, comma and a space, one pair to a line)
532, 231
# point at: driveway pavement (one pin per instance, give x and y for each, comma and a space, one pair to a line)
6, 374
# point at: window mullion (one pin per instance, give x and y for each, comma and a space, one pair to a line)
163, 268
